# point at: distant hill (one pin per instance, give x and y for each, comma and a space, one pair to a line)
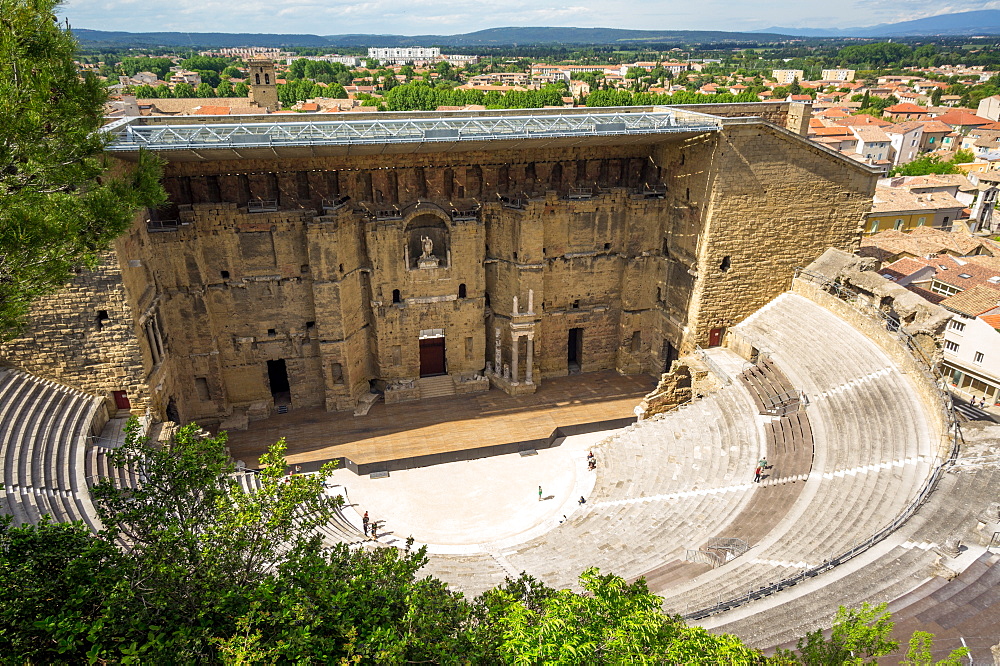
980, 22
490, 37
193, 39
512, 36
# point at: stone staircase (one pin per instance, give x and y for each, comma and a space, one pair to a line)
436, 387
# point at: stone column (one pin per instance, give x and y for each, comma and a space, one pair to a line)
531, 358
531, 302
497, 362
514, 339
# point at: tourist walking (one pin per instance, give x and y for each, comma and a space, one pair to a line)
364, 522
539, 493
374, 527
756, 474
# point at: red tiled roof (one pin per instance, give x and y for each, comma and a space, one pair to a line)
906, 107
993, 320
957, 118
212, 111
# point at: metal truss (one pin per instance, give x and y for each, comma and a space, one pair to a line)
133, 134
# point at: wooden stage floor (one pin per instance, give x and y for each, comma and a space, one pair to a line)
444, 424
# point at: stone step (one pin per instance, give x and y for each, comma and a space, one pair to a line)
436, 387
365, 403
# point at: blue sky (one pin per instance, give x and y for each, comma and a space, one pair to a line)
416, 17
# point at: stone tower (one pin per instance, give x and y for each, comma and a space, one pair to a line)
263, 89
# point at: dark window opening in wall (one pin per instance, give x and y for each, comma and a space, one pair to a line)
214, 192
256, 78
666, 251
659, 294
576, 305
304, 268
277, 379
574, 351
682, 158
341, 268
310, 325
102, 318
302, 185
201, 386
688, 193
544, 251
395, 296
172, 412
607, 246
636, 341
461, 290
515, 256
267, 79
487, 300
670, 355
243, 183
272, 332
225, 274
726, 263
460, 192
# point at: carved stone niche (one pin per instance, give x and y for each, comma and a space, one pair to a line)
428, 242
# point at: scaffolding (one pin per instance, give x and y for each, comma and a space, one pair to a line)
131, 134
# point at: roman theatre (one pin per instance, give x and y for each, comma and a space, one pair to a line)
459, 306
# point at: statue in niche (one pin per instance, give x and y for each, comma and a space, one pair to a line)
427, 259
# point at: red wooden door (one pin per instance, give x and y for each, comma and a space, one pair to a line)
715, 337
432, 357
121, 400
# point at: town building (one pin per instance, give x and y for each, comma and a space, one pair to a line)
785, 77
402, 56
837, 75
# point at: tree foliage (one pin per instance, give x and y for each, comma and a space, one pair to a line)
61, 202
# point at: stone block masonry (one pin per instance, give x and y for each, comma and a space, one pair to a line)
515, 265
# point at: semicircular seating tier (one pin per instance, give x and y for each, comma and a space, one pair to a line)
681, 484
43, 440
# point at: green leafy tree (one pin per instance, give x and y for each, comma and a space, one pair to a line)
183, 91
144, 92
859, 636
163, 91
62, 202
225, 89
204, 90
241, 90
159, 66
920, 652
612, 622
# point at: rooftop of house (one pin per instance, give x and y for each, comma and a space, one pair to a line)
925, 241
974, 301
906, 107
959, 118
894, 199
869, 134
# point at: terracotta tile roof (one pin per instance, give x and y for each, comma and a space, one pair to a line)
211, 111
988, 261
921, 242
862, 119
310, 106
973, 301
894, 199
934, 126
869, 134
906, 107
957, 118
903, 267
836, 130
903, 128
965, 275
993, 320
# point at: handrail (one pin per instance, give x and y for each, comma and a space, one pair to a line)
713, 366
940, 465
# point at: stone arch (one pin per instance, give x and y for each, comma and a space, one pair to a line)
431, 224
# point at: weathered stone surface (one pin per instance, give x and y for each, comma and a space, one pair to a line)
634, 276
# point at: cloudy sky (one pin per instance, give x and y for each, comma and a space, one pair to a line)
417, 17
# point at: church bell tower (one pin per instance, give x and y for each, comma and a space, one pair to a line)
263, 88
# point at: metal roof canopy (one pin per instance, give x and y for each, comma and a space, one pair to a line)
377, 132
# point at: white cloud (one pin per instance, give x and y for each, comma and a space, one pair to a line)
453, 16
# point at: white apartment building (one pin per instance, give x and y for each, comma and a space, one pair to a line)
349, 61
972, 345
905, 141
401, 56
786, 76
838, 75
